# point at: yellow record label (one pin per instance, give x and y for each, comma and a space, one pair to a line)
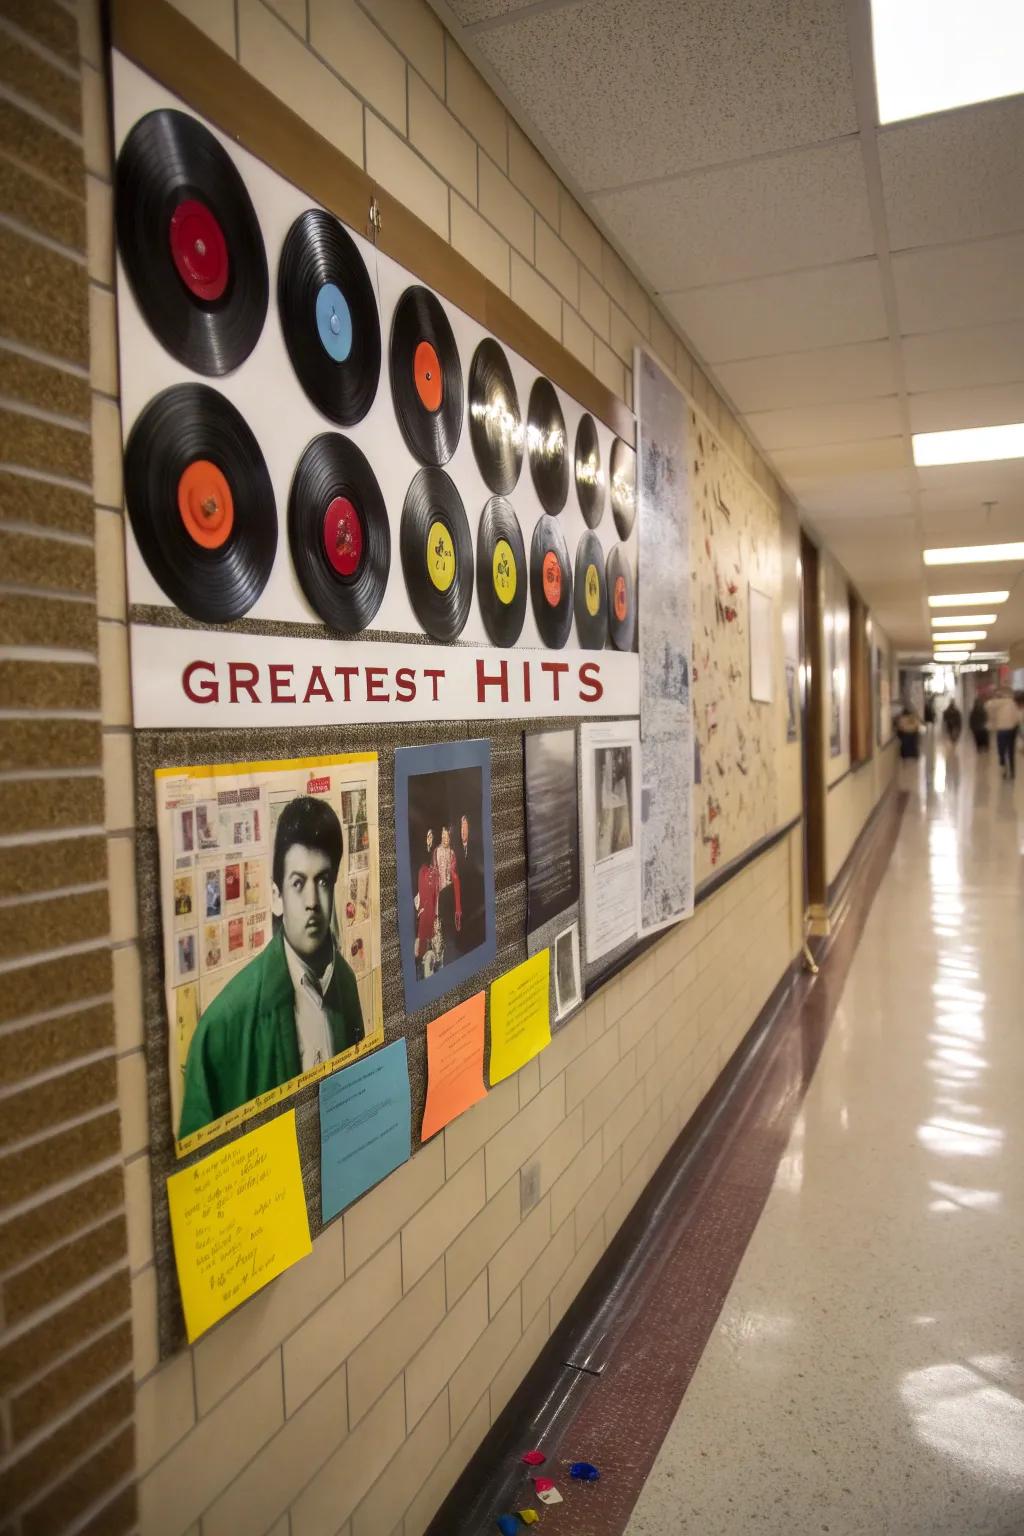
440, 557
592, 590
503, 571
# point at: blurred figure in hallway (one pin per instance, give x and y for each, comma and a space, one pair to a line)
929, 709
978, 722
1004, 719
908, 729
952, 723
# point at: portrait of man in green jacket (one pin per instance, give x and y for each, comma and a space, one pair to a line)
296, 1003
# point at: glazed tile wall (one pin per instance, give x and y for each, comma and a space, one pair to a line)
346, 1398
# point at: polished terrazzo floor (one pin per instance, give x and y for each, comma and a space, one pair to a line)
866, 1373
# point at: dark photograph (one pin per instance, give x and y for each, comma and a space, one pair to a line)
613, 800
552, 830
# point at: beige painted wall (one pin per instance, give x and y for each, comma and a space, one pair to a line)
348, 1396
851, 802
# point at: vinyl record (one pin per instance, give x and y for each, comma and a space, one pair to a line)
339, 532
190, 242
621, 600
495, 422
501, 575
201, 503
623, 487
589, 472
551, 582
329, 317
590, 593
426, 377
547, 446
437, 554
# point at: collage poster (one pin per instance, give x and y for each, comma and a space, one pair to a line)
610, 814
270, 897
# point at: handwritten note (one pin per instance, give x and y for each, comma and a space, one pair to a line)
364, 1126
238, 1218
455, 1064
520, 1016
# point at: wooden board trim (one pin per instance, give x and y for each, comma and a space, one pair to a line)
162, 42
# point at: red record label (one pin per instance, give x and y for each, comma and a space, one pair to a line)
343, 536
619, 598
426, 372
551, 574
199, 250
206, 505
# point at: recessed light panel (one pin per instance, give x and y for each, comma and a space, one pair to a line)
969, 445
931, 55
951, 620
974, 554
966, 600
961, 634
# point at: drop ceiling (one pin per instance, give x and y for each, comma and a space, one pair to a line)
842, 284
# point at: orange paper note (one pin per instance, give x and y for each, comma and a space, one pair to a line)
455, 1064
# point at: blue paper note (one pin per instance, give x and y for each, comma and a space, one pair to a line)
364, 1126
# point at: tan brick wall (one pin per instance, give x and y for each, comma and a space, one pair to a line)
66, 1431
347, 1397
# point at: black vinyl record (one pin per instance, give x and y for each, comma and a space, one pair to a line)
589, 472
551, 582
201, 503
621, 600
495, 421
501, 575
426, 377
623, 487
548, 449
329, 317
590, 594
339, 532
190, 242
437, 554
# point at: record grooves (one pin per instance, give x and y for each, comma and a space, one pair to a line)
200, 502
623, 487
546, 442
588, 472
501, 576
339, 532
437, 554
495, 422
190, 242
590, 593
621, 599
329, 317
426, 377
551, 582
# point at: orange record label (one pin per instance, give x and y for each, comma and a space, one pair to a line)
206, 504
592, 590
503, 571
426, 373
621, 605
440, 556
552, 578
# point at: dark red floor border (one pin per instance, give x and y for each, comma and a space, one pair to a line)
642, 1321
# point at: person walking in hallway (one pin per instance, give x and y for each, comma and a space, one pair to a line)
952, 722
1004, 719
978, 722
908, 729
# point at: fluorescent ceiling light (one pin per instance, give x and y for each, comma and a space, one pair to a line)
974, 554
931, 55
966, 600
969, 445
950, 620
947, 656
946, 651
960, 634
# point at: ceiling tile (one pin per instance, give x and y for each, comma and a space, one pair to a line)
970, 284
954, 177
875, 494
469, 11
967, 486
970, 523
622, 90
809, 378
842, 458
825, 306
801, 209
806, 425
990, 354
945, 410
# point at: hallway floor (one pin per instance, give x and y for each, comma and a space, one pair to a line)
866, 1373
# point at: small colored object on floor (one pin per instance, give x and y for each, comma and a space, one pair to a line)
584, 1472
542, 1484
534, 1458
508, 1525
550, 1496
529, 1516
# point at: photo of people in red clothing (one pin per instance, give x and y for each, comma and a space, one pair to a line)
446, 898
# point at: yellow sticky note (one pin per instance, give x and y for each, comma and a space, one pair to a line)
455, 1064
520, 1016
238, 1218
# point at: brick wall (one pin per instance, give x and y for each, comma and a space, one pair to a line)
66, 1435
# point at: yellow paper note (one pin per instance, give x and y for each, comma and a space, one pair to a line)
455, 1064
520, 1016
238, 1219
